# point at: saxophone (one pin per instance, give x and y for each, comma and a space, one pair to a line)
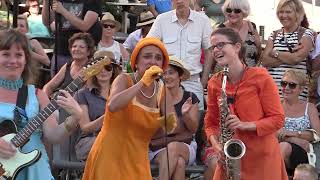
233, 149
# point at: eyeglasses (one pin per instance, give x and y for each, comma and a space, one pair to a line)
108, 67
108, 26
236, 11
220, 45
291, 85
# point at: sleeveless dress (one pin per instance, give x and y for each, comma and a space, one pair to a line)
120, 151
41, 169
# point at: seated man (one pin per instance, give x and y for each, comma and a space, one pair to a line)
181, 146
146, 20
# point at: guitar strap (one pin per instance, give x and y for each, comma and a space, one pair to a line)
19, 110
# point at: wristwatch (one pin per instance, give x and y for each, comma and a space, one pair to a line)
275, 54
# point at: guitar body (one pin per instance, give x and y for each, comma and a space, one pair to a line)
9, 168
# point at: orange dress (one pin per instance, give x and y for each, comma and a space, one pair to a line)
256, 100
120, 151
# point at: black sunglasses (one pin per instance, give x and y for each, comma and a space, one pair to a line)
108, 67
108, 26
236, 11
291, 85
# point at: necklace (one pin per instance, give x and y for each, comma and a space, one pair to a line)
11, 84
154, 89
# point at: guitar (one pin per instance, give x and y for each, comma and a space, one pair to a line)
9, 168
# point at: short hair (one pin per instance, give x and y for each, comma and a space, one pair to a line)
12, 36
237, 4
234, 37
296, 5
298, 75
308, 168
87, 38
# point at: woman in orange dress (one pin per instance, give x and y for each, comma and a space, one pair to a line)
132, 115
256, 111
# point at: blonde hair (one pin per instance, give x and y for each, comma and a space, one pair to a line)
237, 4
298, 75
296, 6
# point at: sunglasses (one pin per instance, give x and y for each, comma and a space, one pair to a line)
108, 67
108, 26
220, 45
236, 11
291, 85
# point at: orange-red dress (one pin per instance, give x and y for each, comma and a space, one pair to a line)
120, 151
256, 100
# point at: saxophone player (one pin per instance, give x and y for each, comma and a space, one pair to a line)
255, 112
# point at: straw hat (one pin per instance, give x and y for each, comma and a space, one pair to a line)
102, 54
146, 42
108, 17
145, 18
179, 64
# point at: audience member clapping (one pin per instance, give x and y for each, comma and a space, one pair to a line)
182, 147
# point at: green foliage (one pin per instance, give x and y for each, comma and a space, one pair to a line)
114, 10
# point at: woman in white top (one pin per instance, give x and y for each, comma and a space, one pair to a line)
110, 26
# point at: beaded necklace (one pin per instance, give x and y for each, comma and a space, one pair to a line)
154, 89
11, 84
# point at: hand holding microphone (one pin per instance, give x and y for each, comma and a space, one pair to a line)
151, 74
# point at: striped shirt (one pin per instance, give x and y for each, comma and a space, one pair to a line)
281, 43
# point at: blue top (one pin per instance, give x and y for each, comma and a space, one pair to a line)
161, 6
41, 169
36, 27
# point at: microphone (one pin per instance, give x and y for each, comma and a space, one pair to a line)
160, 77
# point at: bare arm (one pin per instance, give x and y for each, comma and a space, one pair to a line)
45, 13
53, 132
153, 10
190, 113
54, 83
84, 25
267, 60
120, 94
300, 54
88, 126
38, 53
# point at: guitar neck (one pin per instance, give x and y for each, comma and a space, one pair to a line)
23, 135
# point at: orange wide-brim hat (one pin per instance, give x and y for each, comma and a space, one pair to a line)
146, 42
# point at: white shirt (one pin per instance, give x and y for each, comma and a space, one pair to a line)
115, 49
184, 41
